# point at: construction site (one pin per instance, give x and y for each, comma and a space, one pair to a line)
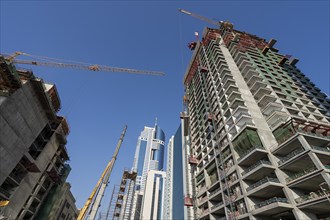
249, 141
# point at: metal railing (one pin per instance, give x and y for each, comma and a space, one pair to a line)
249, 151
260, 162
291, 155
270, 201
321, 148
262, 181
214, 192
300, 174
217, 205
312, 195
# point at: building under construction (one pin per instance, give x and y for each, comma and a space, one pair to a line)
120, 205
33, 158
259, 131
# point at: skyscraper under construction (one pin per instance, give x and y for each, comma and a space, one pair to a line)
259, 129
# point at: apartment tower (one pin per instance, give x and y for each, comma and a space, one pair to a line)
259, 129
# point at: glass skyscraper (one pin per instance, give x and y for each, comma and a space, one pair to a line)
178, 189
149, 156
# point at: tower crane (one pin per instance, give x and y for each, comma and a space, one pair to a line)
200, 17
89, 211
47, 61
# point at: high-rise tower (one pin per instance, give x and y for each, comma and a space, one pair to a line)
149, 156
178, 203
259, 128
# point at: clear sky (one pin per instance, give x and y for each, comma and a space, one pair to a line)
149, 35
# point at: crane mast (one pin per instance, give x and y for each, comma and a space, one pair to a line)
93, 202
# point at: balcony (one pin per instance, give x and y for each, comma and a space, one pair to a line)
253, 79
298, 175
217, 205
261, 163
313, 196
252, 155
271, 206
231, 89
270, 107
229, 82
240, 110
291, 155
274, 115
265, 99
234, 95
257, 85
215, 192
251, 73
236, 103
317, 201
322, 149
270, 187
262, 91
244, 119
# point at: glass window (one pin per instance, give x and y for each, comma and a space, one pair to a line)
247, 139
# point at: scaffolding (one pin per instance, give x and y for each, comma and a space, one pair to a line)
120, 204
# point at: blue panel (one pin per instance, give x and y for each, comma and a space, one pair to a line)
177, 169
160, 135
142, 152
159, 156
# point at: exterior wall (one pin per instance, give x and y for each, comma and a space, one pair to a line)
32, 142
153, 198
59, 204
178, 176
257, 128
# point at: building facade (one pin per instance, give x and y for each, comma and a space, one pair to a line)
153, 199
32, 142
259, 129
178, 202
59, 204
149, 156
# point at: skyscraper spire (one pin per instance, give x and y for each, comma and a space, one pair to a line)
156, 122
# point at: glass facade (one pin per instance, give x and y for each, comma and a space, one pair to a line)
142, 152
178, 193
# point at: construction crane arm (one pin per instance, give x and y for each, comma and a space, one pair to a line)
47, 61
200, 17
87, 67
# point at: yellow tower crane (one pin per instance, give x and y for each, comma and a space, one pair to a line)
47, 61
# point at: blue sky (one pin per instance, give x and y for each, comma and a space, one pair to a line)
142, 35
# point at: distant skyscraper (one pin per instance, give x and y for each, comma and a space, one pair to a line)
259, 128
178, 201
153, 198
149, 155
